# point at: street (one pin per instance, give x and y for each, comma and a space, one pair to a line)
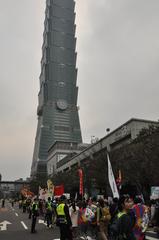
14, 224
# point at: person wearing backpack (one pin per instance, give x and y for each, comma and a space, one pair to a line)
83, 221
122, 226
103, 218
93, 223
140, 211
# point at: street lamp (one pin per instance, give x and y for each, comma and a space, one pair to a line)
92, 139
108, 130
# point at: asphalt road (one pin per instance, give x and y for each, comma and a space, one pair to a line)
15, 225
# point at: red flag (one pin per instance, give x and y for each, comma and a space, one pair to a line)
80, 172
119, 180
59, 190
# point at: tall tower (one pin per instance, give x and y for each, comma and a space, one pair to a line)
57, 109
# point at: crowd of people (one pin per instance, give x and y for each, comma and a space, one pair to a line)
120, 219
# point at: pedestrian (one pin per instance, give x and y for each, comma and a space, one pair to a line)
103, 219
34, 215
20, 204
123, 224
156, 217
12, 202
41, 207
24, 205
140, 210
93, 224
83, 221
63, 219
152, 212
74, 213
3, 203
49, 210
113, 208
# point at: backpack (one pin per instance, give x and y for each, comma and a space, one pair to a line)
105, 214
94, 219
114, 228
83, 218
89, 214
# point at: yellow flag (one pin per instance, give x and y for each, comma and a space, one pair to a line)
50, 187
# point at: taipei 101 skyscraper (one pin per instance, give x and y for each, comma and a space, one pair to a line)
57, 110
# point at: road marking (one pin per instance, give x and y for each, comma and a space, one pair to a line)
42, 221
16, 214
24, 225
4, 225
150, 238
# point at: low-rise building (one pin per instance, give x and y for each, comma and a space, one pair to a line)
12, 188
62, 150
64, 156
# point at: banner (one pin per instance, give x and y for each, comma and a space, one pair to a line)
26, 193
50, 188
43, 193
59, 190
112, 179
154, 192
80, 172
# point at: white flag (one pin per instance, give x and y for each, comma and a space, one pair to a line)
112, 179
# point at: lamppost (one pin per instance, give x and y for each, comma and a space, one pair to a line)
107, 130
92, 139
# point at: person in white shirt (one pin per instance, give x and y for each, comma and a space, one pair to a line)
74, 214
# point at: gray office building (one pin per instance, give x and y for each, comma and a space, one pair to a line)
57, 111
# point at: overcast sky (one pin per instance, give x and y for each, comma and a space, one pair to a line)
118, 71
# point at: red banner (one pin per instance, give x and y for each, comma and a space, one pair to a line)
119, 180
80, 172
58, 190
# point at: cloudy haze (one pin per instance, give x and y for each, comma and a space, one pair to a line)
118, 57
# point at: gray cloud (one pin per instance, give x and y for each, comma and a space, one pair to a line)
21, 27
118, 62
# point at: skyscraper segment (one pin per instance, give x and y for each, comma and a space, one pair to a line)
57, 109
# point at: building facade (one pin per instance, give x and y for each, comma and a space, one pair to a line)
57, 111
62, 150
121, 136
9, 189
